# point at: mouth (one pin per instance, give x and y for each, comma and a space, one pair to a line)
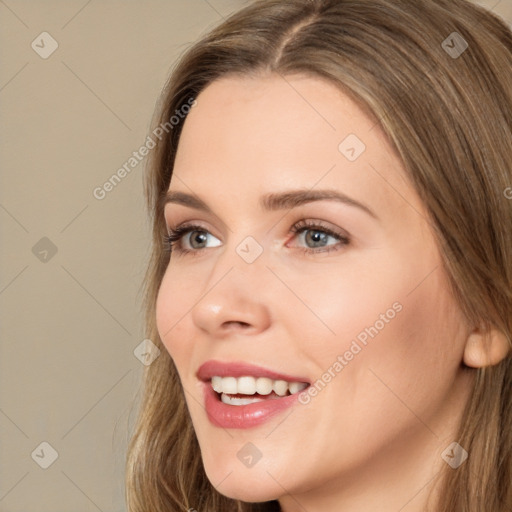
242, 395
249, 389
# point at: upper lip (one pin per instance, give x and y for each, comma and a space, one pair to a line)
214, 368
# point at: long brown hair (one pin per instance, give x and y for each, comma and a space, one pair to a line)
448, 115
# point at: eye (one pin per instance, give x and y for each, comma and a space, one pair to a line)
313, 235
189, 238
316, 237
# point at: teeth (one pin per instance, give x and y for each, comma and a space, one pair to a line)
295, 387
217, 384
232, 400
249, 385
246, 385
229, 385
263, 386
280, 387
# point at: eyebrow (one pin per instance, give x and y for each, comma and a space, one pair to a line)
274, 201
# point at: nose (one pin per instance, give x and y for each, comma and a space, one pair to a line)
234, 302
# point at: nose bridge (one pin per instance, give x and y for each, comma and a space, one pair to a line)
245, 258
235, 295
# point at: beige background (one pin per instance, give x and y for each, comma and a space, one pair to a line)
70, 321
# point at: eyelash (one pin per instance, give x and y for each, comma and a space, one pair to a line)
173, 237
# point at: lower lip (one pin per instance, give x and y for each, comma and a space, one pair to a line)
243, 416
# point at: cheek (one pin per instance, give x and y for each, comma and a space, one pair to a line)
383, 293
401, 360
351, 299
428, 339
398, 322
395, 386
173, 304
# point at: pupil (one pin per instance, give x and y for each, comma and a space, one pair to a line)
317, 237
197, 237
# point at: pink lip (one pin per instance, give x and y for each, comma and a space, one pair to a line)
242, 416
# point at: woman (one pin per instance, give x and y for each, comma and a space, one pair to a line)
330, 282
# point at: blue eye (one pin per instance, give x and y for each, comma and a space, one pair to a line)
314, 236
194, 236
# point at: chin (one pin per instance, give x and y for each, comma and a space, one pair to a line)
244, 484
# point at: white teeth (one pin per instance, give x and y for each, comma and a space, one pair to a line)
229, 385
232, 400
263, 386
248, 385
295, 387
217, 384
280, 387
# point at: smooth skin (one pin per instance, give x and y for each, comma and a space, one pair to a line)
372, 438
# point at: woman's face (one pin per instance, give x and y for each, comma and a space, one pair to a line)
355, 303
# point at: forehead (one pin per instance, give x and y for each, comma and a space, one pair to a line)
279, 112
259, 135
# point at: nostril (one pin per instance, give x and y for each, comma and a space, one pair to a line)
236, 323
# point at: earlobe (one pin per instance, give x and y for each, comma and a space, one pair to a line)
486, 348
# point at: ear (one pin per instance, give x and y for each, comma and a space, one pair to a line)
486, 348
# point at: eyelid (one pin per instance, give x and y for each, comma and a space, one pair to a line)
312, 223
304, 225
188, 224
175, 236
